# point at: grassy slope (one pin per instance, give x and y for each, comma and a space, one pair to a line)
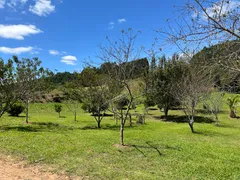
160, 150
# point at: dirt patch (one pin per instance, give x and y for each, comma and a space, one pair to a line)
13, 170
121, 146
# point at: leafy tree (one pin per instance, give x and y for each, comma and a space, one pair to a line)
232, 103
58, 108
96, 97
9, 91
31, 79
61, 78
163, 80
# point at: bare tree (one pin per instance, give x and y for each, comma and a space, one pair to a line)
202, 23
118, 54
189, 90
72, 99
213, 102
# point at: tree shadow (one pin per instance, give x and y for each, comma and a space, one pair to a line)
20, 128
184, 119
104, 115
207, 112
37, 127
154, 147
106, 127
62, 117
21, 116
153, 109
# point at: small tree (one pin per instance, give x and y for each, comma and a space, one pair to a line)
213, 102
58, 109
232, 104
9, 90
95, 92
72, 99
31, 79
95, 101
119, 53
188, 91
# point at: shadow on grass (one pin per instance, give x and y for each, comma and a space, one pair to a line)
153, 109
184, 119
154, 147
63, 117
104, 115
106, 127
37, 127
21, 116
206, 112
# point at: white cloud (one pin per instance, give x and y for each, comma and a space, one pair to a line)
111, 25
69, 60
17, 31
42, 8
56, 53
18, 50
13, 3
2, 3
121, 20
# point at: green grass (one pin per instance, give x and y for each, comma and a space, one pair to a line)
157, 150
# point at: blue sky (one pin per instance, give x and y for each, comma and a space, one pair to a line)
62, 33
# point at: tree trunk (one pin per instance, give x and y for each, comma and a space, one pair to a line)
216, 119
232, 114
190, 122
27, 102
59, 114
121, 133
75, 116
99, 124
166, 108
116, 118
99, 120
130, 120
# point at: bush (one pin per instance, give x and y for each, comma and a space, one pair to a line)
16, 109
58, 108
122, 102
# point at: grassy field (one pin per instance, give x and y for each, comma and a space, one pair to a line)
157, 150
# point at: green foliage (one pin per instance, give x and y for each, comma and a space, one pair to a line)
58, 108
232, 103
133, 69
162, 80
216, 59
9, 89
61, 78
122, 102
16, 109
95, 99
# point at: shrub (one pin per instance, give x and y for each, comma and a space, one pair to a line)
58, 108
121, 103
16, 109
